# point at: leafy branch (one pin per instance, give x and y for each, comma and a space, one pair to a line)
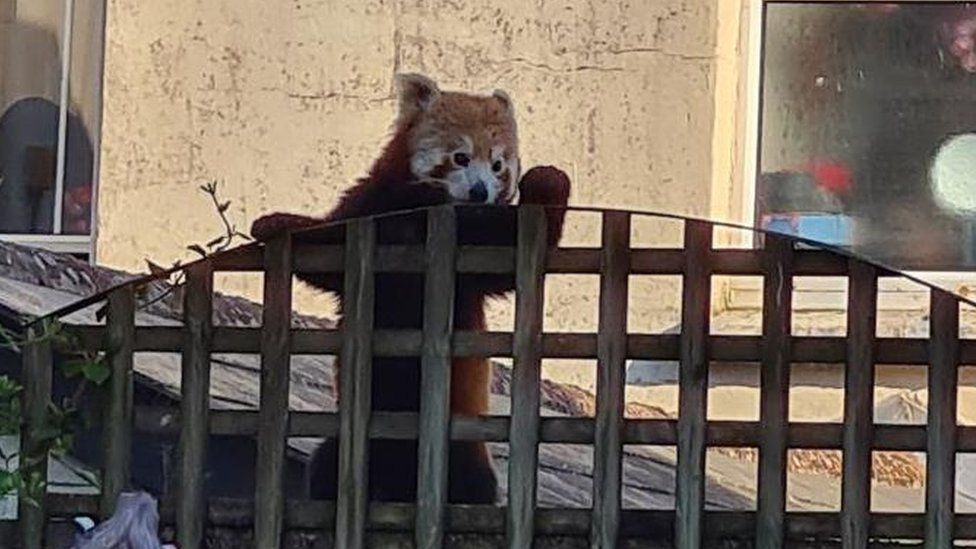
19, 470
173, 276
55, 437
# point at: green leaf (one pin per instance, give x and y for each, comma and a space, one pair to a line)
72, 368
9, 341
97, 372
9, 483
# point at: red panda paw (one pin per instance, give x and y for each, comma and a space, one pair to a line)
545, 185
274, 224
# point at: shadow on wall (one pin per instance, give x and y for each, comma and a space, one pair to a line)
28, 164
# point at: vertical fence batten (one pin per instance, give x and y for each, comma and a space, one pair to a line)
693, 385
774, 389
439, 286
611, 370
37, 367
355, 375
269, 495
191, 506
526, 374
862, 306
941, 433
118, 406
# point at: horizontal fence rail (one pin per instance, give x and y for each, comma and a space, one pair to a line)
359, 253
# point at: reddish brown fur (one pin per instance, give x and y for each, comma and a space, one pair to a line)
399, 297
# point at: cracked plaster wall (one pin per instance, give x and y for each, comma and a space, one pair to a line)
287, 101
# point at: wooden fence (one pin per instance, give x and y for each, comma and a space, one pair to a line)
352, 518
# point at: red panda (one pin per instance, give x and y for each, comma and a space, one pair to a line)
446, 147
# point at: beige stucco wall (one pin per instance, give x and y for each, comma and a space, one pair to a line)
288, 102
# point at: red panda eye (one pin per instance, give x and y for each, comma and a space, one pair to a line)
462, 159
497, 166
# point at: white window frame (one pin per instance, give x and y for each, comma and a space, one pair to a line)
811, 294
57, 241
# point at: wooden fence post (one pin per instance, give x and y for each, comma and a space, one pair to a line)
121, 325
693, 385
940, 486
38, 364
355, 378
191, 505
436, 377
862, 307
527, 353
774, 389
611, 377
269, 495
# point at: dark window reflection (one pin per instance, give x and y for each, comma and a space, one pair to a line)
869, 129
28, 168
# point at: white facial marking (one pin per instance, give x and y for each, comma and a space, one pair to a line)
476, 182
427, 156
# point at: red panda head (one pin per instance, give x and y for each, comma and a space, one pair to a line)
464, 143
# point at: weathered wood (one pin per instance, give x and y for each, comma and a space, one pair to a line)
319, 258
317, 342
693, 385
774, 390
117, 433
273, 413
355, 375
654, 432
526, 374
37, 374
862, 307
611, 377
435, 409
194, 404
490, 520
940, 460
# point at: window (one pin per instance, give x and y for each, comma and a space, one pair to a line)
868, 128
50, 114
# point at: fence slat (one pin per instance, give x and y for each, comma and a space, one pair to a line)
436, 377
395, 342
37, 374
273, 414
693, 385
355, 377
121, 326
941, 433
862, 307
774, 390
611, 370
527, 364
194, 404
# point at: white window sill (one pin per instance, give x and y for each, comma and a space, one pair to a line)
68, 244
830, 293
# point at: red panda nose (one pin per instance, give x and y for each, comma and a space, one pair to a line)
478, 192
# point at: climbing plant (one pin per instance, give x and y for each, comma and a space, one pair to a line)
18, 469
19, 473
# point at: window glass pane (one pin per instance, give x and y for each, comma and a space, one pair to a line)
869, 129
85, 111
30, 90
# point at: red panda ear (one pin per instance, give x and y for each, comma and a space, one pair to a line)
506, 100
416, 93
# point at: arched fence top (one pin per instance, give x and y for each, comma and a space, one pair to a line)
227, 258
439, 243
